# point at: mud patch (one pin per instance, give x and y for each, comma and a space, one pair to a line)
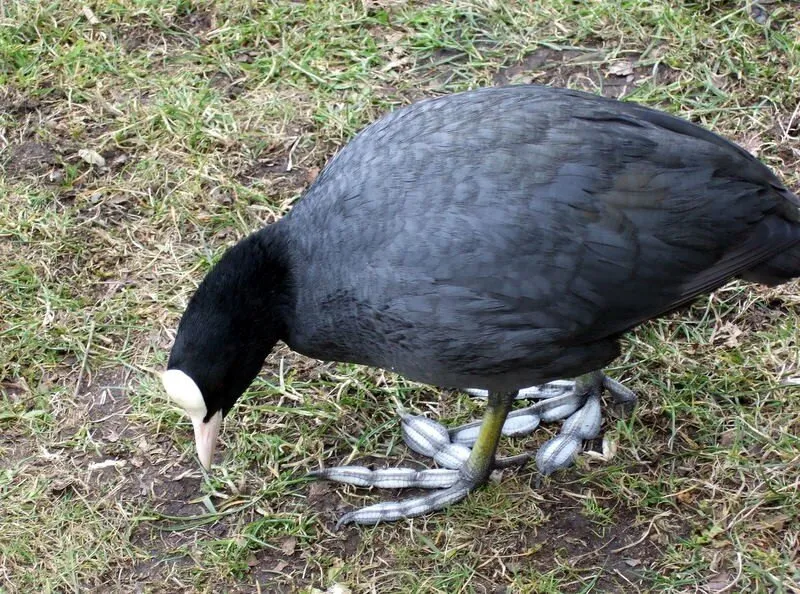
184, 30
283, 169
30, 159
144, 473
585, 70
229, 86
197, 21
626, 547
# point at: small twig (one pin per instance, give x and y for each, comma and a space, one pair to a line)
119, 413
737, 578
593, 553
289, 163
787, 130
645, 535
83, 363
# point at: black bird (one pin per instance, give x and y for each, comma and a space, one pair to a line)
495, 239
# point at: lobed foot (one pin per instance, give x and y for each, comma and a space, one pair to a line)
464, 467
389, 511
576, 401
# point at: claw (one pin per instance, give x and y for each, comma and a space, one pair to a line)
621, 395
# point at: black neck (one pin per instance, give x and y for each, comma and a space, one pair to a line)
241, 309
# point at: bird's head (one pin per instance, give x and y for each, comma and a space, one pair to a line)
230, 325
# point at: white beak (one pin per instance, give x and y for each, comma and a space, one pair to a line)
182, 390
205, 437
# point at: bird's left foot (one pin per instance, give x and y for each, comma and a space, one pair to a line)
464, 469
466, 453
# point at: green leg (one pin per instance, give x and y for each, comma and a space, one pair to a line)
481, 460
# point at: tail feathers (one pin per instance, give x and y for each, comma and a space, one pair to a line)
777, 270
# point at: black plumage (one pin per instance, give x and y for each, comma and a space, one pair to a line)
497, 238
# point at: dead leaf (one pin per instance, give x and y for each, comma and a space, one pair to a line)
776, 523
393, 38
727, 334
719, 582
395, 64
288, 545
728, 438
143, 445
61, 484
92, 157
609, 448
90, 16
621, 68
633, 562
317, 490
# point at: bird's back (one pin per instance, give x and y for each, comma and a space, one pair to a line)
505, 237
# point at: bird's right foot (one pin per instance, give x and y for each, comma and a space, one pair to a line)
577, 402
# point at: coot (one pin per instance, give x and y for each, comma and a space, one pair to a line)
493, 239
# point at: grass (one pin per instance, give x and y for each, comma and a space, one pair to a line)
210, 119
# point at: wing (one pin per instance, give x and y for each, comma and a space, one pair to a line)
542, 217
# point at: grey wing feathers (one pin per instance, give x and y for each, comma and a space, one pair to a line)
581, 217
772, 237
638, 237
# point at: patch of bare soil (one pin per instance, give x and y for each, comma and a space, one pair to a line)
30, 158
198, 21
183, 30
623, 550
231, 87
45, 144
161, 489
128, 466
585, 70
280, 172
